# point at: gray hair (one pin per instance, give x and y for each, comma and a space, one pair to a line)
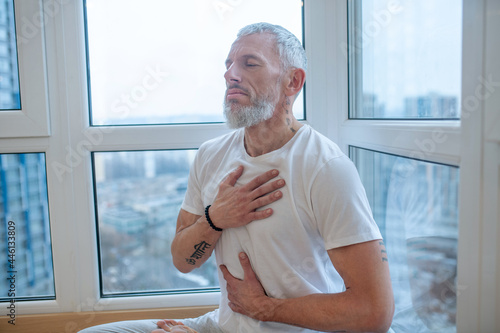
290, 50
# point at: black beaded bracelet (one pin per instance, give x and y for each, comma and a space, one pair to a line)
210, 221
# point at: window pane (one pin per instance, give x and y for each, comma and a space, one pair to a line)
139, 195
25, 234
163, 61
9, 74
415, 204
405, 59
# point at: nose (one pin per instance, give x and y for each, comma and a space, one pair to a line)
232, 74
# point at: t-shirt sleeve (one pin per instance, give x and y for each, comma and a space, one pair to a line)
340, 205
193, 202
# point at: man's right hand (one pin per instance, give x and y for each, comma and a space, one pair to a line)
236, 206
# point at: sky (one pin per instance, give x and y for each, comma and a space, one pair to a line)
411, 49
165, 59
157, 58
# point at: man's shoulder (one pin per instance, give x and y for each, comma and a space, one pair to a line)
320, 146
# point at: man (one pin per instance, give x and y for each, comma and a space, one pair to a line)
282, 208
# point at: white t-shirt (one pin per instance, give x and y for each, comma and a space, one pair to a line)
324, 206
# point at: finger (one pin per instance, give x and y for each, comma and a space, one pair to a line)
167, 324
262, 179
225, 273
268, 188
247, 266
235, 308
164, 325
260, 214
266, 200
233, 176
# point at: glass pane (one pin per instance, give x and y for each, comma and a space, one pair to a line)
9, 74
139, 195
157, 62
415, 204
405, 59
25, 234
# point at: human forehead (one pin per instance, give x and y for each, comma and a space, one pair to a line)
258, 46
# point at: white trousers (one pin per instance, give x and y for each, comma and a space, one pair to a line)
203, 324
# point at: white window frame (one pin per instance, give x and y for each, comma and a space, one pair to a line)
33, 118
59, 57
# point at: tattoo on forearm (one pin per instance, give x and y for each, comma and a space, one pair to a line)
383, 251
198, 253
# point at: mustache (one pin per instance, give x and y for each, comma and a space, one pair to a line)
237, 86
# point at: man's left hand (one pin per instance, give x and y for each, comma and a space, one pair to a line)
247, 296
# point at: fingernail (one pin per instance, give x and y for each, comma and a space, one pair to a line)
277, 194
243, 255
275, 172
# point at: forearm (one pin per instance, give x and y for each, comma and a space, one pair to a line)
342, 312
193, 245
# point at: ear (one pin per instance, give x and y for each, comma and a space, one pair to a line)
295, 82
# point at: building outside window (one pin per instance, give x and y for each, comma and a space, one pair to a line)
9, 74
25, 234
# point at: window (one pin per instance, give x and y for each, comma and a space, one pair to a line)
169, 70
23, 69
405, 59
139, 195
169, 75
415, 204
9, 76
27, 270
401, 131
52, 50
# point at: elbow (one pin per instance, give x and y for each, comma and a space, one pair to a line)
181, 265
183, 268
178, 260
379, 317
381, 324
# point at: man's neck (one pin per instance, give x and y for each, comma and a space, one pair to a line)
270, 135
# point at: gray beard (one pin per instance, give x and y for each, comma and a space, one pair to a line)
247, 116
